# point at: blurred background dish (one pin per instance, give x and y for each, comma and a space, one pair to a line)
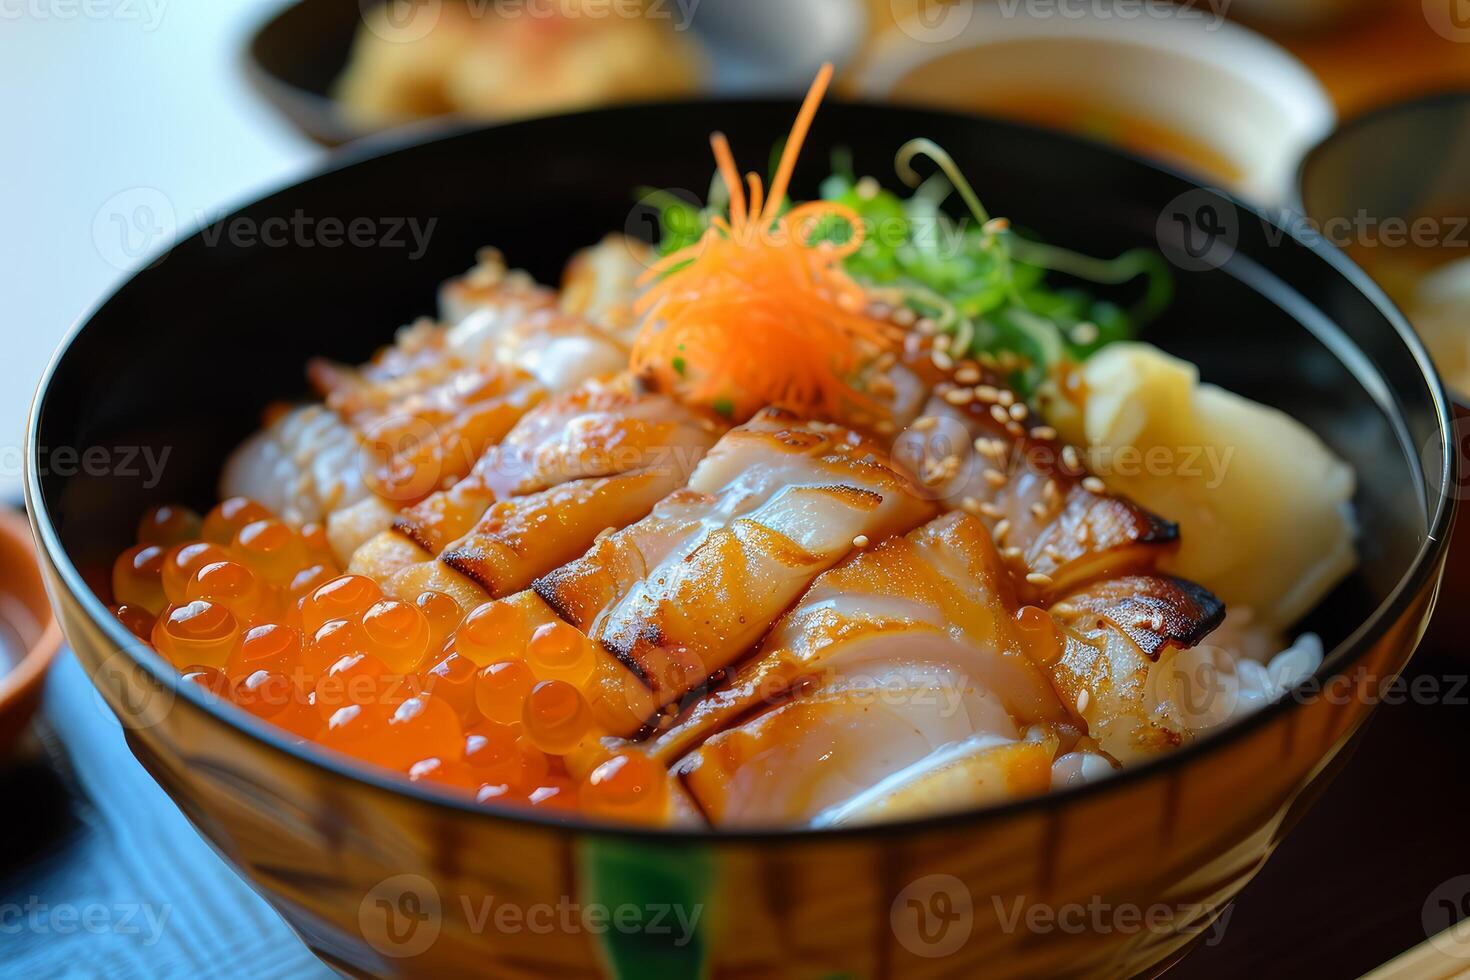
341, 70
1392, 189
29, 636
472, 60
1194, 90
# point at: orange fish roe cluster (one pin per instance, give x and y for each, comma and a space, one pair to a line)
494, 704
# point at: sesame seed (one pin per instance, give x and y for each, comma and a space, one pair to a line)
967, 374
1045, 432
1002, 528
905, 317
1011, 553
960, 396
970, 505
1038, 511
1037, 578
987, 393
1084, 333
1015, 429
1093, 485
1007, 397
1083, 700
885, 427
926, 326
861, 541
1070, 458
943, 342
1018, 411
1082, 533
987, 509
999, 414
995, 478
1049, 490
942, 360
1157, 622
925, 422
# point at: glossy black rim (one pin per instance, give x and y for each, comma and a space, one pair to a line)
1425, 564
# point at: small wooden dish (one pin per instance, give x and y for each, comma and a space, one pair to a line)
26, 612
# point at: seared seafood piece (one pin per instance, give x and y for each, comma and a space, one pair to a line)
684, 592
592, 459
1117, 643
812, 755
303, 465
889, 658
939, 595
959, 776
601, 283
977, 448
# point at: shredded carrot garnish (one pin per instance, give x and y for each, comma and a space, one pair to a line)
755, 312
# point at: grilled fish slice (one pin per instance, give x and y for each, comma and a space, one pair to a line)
818, 751
1118, 638
939, 595
887, 660
599, 457
977, 448
303, 466
418, 394
686, 591
594, 431
962, 775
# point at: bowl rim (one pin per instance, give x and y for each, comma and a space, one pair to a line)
1427, 559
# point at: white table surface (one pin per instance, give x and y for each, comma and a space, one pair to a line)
114, 111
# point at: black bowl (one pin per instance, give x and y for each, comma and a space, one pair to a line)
177, 364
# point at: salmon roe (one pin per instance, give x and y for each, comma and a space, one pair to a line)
496, 703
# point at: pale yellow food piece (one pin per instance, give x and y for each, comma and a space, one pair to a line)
1262, 503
